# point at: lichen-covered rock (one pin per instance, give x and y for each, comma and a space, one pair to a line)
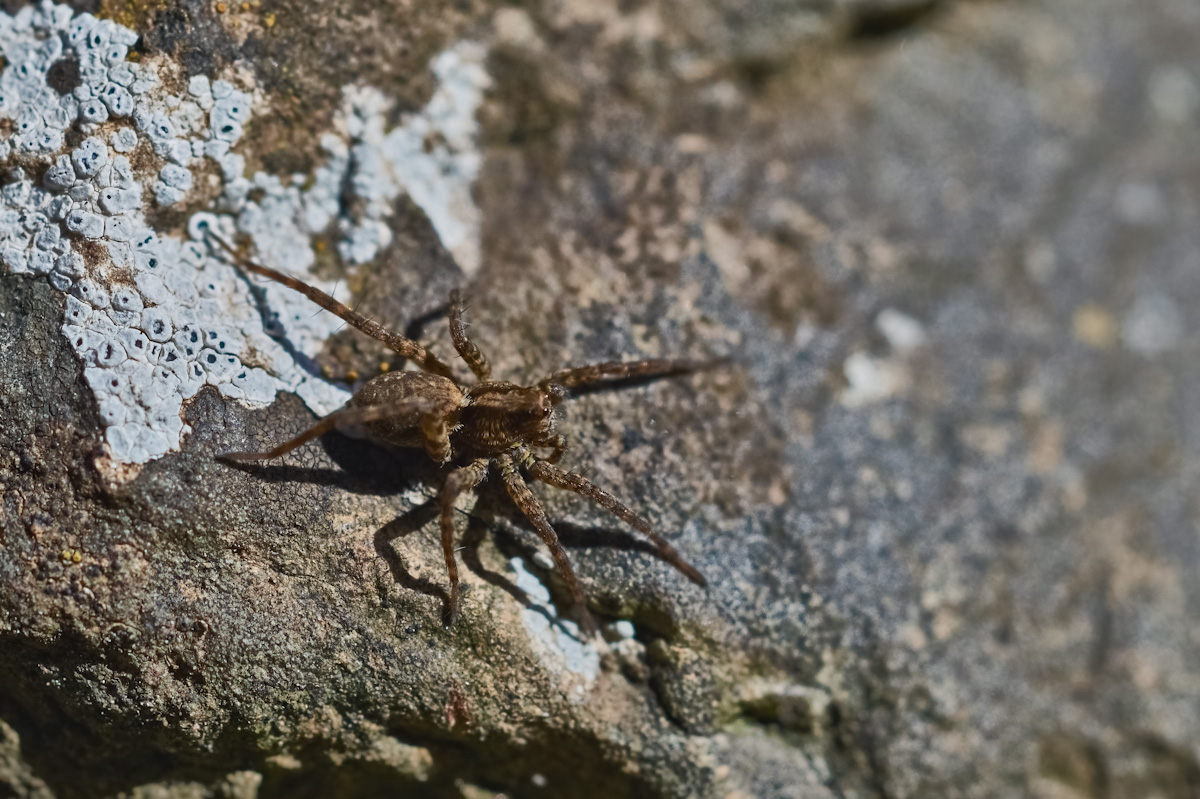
944, 492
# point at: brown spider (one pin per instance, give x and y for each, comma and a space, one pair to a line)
469, 429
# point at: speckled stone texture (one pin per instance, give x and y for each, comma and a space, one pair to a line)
946, 498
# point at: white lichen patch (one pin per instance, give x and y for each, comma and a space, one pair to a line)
432, 156
154, 317
904, 334
557, 641
870, 379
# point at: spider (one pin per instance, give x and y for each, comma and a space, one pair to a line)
471, 430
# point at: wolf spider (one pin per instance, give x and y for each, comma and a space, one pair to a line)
472, 429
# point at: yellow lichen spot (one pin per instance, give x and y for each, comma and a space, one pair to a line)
66, 554
351, 376
1094, 326
384, 367
70, 556
76, 556
326, 373
222, 8
320, 246
269, 20
245, 6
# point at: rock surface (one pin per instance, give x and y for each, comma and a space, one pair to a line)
946, 496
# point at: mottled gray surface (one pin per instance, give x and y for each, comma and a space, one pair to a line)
950, 558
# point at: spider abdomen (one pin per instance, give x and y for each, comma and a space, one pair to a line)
417, 397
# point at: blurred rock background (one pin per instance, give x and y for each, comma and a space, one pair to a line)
946, 497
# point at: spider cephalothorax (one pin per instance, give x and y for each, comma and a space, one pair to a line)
470, 430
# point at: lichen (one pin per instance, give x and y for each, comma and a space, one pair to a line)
155, 317
557, 640
431, 156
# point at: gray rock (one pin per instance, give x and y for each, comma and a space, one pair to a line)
945, 502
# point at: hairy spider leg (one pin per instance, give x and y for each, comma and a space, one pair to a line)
405, 347
529, 505
597, 374
346, 416
458, 481
558, 445
462, 343
437, 435
552, 475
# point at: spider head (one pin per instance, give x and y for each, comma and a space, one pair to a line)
502, 414
534, 420
554, 392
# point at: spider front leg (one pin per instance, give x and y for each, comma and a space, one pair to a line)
548, 473
462, 343
598, 374
529, 505
558, 445
458, 481
405, 347
437, 436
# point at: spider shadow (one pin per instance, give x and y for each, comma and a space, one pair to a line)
362, 467
370, 469
415, 329
496, 502
516, 537
578, 536
406, 524
493, 500
571, 536
427, 514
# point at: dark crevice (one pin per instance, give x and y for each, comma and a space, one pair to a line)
63, 75
872, 23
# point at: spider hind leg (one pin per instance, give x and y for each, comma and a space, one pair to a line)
463, 345
529, 505
597, 375
457, 482
552, 475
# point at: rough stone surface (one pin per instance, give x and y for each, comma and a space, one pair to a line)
946, 498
